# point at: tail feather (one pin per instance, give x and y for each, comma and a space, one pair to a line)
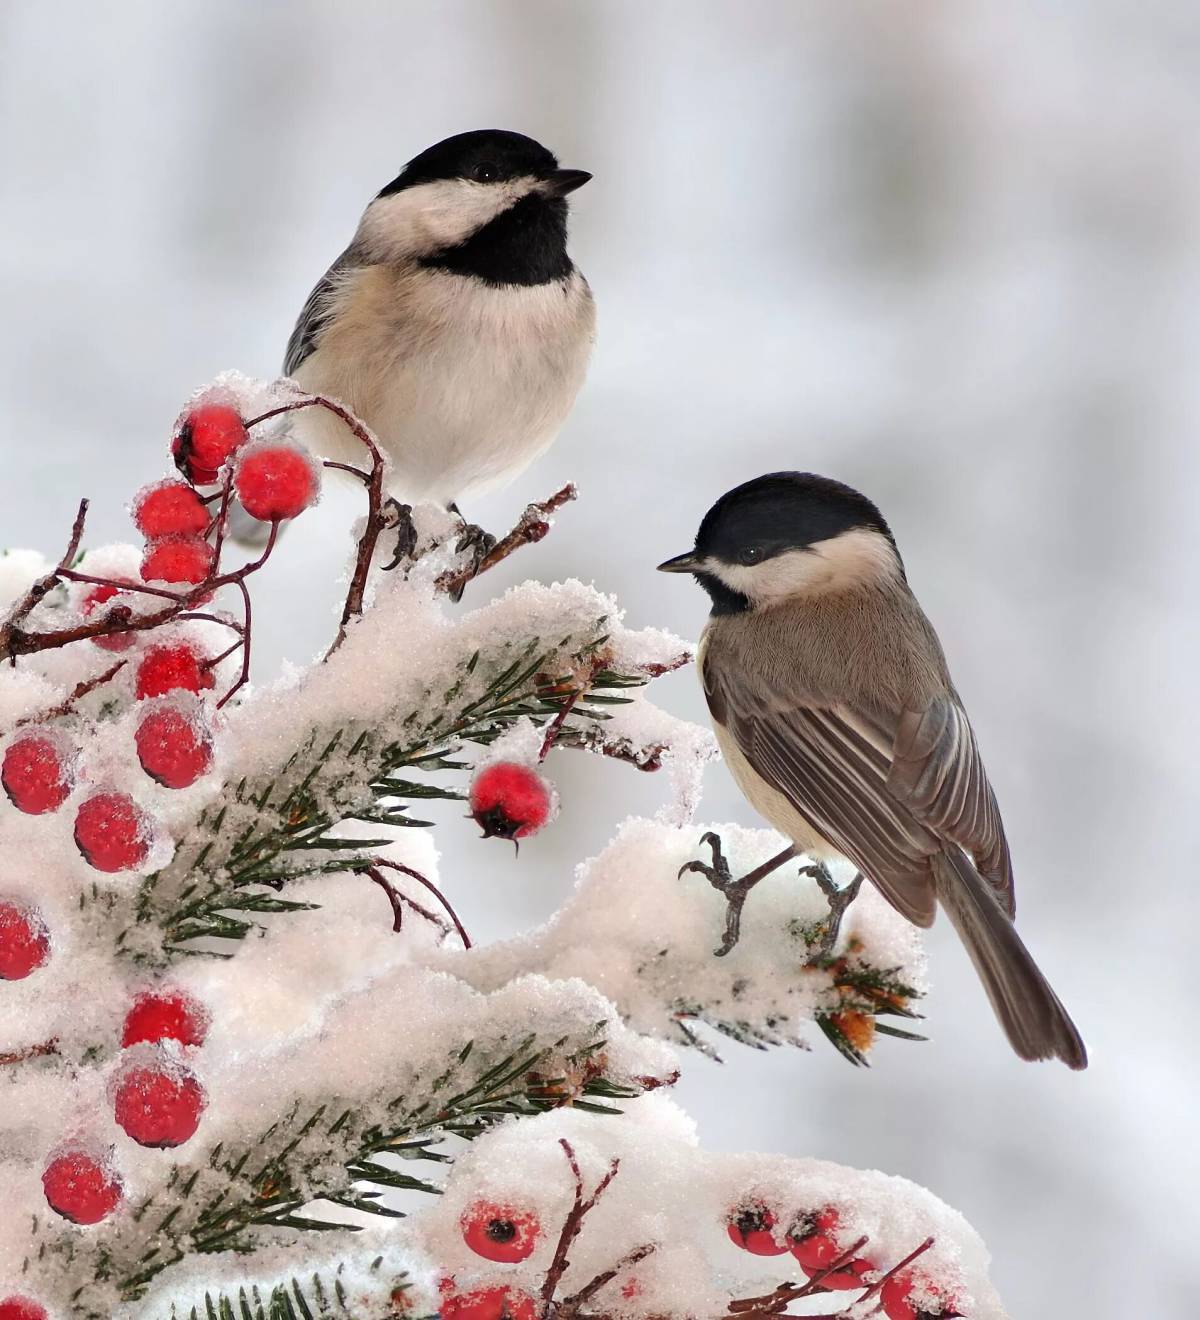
1033, 1018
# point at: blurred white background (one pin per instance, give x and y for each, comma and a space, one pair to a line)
949, 253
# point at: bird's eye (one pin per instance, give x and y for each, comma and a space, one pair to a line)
751, 554
485, 172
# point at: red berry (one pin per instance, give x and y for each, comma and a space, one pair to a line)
24, 942
751, 1229
22, 1308
896, 1299
112, 832
495, 1303
275, 481
207, 437
499, 1232
81, 1187
165, 1015
169, 508
177, 559
157, 1106
168, 667
37, 772
173, 746
99, 596
510, 800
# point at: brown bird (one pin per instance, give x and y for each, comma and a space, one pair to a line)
836, 714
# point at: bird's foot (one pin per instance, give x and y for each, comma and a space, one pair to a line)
733, 891
398, 518
838, 899
478, 544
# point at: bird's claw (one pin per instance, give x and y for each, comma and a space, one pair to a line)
838, 899
399, 519
718, 874
474, 541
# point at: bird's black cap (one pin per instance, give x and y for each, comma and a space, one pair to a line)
774, 513
485, 155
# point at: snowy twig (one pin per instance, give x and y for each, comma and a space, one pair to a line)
529, 529
38, 591
573, 1222
80, 690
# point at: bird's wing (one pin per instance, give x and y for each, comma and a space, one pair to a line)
938, 774
841, 769
315, 313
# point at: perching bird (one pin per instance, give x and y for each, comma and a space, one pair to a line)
455, 324
837, 717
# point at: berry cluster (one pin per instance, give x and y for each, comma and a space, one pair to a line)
818, 1243
157, 1102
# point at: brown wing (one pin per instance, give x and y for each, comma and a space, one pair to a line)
840, 769
938, 774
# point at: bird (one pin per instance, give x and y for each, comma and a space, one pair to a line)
455, 324
834, 709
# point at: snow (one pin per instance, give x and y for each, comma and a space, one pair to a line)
327, 1011
644, 936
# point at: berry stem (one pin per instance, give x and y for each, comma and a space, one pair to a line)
433, 889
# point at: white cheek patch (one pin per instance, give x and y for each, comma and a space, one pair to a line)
837, 564
429, 217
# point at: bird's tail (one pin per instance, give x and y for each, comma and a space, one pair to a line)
1033, 1018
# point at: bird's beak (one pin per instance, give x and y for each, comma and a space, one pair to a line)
688, 563
560, 182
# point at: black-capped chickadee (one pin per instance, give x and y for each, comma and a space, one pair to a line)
835, 711
455, 324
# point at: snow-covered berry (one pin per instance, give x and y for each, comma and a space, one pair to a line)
931, 1303
511, 800
165, 1015
276, 480
81, 1186
500, 1232
112, 832
170, 666
498, 1302
38, 771
174, 746
751, 1227
22, 1308
24, 941
158, 1106
207, 437
101, 595
169, 508
177, 559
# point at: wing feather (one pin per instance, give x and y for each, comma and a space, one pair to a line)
315, 313
888, 792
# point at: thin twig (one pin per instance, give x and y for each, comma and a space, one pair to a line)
529, 529
573, 1222
397, 901
586, 1293
375, 520
433, 889
39, 589
79, 691
30, 1052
